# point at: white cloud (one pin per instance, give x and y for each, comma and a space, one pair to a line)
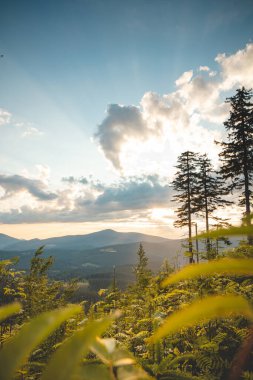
78, 201
5, 117
185, 78
13, 184
31, 131
121, 124
162, 126
236, 69
204, 68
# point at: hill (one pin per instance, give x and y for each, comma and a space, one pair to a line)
79, 242
83, 256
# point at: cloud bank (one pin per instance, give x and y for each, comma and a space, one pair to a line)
82, 199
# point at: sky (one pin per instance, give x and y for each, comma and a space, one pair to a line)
99, 98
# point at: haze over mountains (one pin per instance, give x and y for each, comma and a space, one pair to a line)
91, 257
73, 242
96, 253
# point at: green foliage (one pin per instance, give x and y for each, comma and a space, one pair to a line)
6, 311
238, 267
47, 341
214, 343
237, 155
118, 360
205, 309
231, 231
74, 347
16, 351
142, 273
41, 294
185, 184
66, 361
11, 282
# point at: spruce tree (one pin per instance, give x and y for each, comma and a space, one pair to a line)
209, 194
237, 154
186, 186
142, 273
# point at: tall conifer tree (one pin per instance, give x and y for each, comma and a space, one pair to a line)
237, 154
210, 191
186, 186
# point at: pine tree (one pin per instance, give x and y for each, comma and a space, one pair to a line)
237, 155
210, 191
186, 185
43, 294
142, 273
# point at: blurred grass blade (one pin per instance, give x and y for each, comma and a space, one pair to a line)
65, 361
238, 267
231, 231
132, 373
93, 371
8, 310
119, 359
110, 354
16, 351
200, 311
100, 348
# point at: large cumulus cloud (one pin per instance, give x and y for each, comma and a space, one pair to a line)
120, 124
183, 115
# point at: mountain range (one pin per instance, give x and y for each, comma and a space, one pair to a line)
92, 257
85, 255
88, 241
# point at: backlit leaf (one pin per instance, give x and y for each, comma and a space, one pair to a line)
60, 366
16, 351
93, 371
238, 267
8, 310
203, 310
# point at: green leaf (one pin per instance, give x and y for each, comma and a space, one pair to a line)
16, 351
8, 310
119, 359
93, 371
203, 310
238, 267
110, 354
65, 361
231, 231
132, 373
102, 348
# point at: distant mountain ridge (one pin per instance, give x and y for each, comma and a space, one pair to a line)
6, 241
79, 242
82, 256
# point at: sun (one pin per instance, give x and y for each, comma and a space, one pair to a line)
161, 214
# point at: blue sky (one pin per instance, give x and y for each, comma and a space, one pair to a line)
65, 62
